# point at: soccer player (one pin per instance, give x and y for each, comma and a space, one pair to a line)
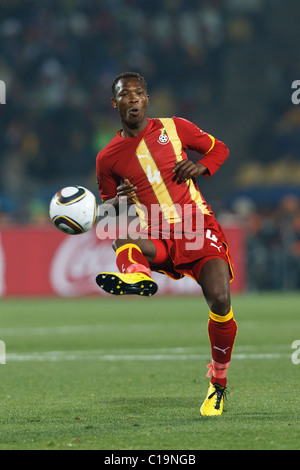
145, 164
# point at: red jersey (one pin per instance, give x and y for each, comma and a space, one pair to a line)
147, 162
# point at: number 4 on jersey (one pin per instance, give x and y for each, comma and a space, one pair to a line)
153, 177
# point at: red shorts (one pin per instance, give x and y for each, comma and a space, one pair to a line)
174, 259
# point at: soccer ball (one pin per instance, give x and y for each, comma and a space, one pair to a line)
73, 210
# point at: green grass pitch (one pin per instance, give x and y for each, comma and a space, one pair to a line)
129, 374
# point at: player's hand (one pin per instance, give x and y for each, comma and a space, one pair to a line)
186, 169
126, 192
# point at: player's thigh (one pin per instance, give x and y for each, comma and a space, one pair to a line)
215, 282
145, 245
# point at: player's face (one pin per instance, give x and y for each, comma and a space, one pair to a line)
132, 101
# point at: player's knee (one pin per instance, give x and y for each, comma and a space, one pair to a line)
117, 243
220, 304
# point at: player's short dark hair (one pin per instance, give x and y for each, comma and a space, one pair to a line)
127, 75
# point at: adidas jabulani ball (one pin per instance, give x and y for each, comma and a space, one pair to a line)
73, 210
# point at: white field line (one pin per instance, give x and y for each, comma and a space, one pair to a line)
71, 330
57, 356
275, 351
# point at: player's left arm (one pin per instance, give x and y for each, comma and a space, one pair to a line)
186, 169
213, 151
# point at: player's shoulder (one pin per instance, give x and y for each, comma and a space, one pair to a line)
179, 122
109, 148
187, 127
183, 122
175, 119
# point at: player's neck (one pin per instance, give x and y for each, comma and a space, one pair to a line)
133, 131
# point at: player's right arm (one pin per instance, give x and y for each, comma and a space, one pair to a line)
125, 194
112, 190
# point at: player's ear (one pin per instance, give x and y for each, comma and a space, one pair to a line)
114, 103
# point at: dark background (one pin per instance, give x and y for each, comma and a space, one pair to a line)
226, 65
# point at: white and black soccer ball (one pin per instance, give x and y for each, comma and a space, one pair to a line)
73, 210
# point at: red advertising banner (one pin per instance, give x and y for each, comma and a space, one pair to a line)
41, 261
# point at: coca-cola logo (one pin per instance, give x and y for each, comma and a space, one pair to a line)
77, 262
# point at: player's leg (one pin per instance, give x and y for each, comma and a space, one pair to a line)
215, 282
133, 258
134, 255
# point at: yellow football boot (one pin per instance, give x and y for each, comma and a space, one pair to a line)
127, 283
213, 403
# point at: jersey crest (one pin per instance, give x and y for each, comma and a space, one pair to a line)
163, 138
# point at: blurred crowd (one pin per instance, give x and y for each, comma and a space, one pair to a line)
272, 242
58, 59
273, 247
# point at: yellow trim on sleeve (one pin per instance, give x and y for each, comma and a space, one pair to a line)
212, 145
